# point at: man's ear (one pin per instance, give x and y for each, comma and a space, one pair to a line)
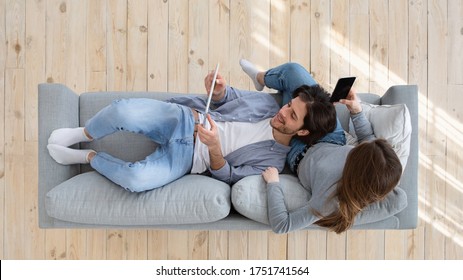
303, 132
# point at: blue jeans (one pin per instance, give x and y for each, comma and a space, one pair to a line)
286, 78
169, 125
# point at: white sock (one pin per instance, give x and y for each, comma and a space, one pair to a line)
252, 71
68, 136
66, 156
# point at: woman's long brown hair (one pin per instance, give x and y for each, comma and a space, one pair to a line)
371, 171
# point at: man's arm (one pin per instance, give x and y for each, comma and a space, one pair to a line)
210, 138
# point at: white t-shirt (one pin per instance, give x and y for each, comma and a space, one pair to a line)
232, 135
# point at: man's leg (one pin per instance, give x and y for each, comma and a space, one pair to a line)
284, 78
168, 163
169, 125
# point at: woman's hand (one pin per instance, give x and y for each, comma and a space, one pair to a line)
352, 102
270, 175
219, 88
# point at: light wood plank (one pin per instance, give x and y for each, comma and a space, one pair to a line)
258, 245
277, 246
454, 175
198, 46
34, 242
417, 74
238, 245
14, 164
177, 244
116, 244
297, 245
455, 33
96, 45
356, 248
137, 41
316, 245
35, 62
280, 24
198, 245
378, 46
240, 43
259, 32
339, 41
436, 137
55, 244
336, 246
301, 25
2, 125
157, 244
15, 12
158, 53
218, 245
137, 244
375, 244
117, 44
219, 37
76, 241
56, 23
320, 42
178, 47
359, 44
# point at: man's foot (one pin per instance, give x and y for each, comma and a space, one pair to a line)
68, 136
251, 70
67, 156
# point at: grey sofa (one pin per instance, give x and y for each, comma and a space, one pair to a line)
77, 197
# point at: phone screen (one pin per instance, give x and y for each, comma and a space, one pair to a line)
342, 88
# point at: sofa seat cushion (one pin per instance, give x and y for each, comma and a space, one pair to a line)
249, 197
90, 198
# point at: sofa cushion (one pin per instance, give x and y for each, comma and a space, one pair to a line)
90, 198
249, 197
391, 122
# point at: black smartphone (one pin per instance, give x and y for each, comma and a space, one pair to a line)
342, 88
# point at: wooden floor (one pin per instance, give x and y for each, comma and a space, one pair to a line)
162, 45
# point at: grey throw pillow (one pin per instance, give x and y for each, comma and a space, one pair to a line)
90, 198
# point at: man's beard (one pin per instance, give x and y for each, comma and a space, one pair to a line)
283, 129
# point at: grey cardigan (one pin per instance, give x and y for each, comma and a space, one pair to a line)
319, 172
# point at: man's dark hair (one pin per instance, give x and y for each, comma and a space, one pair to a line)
321, 113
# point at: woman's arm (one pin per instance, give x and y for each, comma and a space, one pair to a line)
362, 126
281, 219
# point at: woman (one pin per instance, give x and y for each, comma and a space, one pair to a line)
342, 179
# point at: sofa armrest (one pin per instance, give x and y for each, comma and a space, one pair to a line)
58, 107
408, 94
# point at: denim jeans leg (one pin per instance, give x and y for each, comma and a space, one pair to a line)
286, 78
169, 125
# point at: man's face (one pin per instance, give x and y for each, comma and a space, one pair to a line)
290, 118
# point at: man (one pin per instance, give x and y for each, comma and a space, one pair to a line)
246, 132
